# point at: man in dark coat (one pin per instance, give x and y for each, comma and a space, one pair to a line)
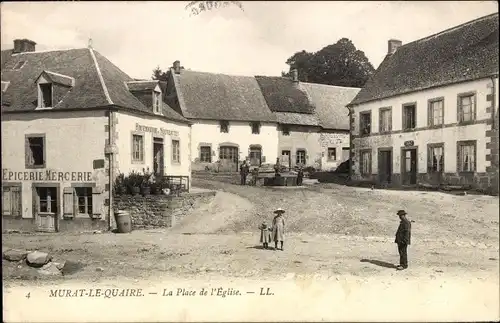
300, 175
403, 239
244, 169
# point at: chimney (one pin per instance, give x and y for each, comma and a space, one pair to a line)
177, 67
24, 45
393, 45
295, 75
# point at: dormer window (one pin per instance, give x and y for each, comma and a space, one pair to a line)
45, 95
157, 101
46, 83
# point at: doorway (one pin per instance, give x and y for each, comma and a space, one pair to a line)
385, 165
285, 158
255, 155
46, 208
409, 166
158, 153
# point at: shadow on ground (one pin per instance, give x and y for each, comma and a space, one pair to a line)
379, 263
261, 247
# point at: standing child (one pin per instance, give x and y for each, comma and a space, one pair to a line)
278, 228
265, 235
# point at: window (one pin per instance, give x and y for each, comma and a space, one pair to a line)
435, 158
366, 163
436, 112
228, 153
255, 128
35, 151
84, 200
224, 126
205, 154
300, 157
47, 199
176, 157
466, 107
385, 118
255, 155
137, 148
365, 123
332, 154
466, 156
11, 201
285, 130
45, 95
409, 115
19, 65
157, 101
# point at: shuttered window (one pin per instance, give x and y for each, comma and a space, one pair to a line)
11, 201
176, 153
82, 202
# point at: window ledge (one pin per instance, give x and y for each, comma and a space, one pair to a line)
466, 123
409, 129
34, 166
436, 126
44, 108
138, 162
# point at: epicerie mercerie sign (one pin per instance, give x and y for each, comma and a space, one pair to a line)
154, 130
48, 175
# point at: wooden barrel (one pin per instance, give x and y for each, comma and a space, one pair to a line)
123, 221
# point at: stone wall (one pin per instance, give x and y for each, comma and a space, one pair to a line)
154, 211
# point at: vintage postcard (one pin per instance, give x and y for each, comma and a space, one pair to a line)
261, 161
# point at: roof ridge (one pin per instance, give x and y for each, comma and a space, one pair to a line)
452, 28
336, 86
99, 74
45, 51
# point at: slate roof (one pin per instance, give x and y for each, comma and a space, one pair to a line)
330, 104
88, 91
284, 95
300, 119
211, 96
463, 53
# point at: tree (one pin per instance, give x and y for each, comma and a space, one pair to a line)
338, 64
159, 75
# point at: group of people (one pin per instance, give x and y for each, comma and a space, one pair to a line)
245, 170
276, 233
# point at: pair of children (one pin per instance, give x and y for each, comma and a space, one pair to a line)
276, 232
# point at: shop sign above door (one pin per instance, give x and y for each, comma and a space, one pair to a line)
155, 130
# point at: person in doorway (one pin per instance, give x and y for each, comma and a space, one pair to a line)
278, 228
403, 239
265, 235
300, 175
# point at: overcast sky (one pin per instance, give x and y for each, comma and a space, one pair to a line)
138, 36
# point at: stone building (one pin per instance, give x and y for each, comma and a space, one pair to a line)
71, 120
429, 115
231, 121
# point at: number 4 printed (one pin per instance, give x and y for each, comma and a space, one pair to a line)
28, 295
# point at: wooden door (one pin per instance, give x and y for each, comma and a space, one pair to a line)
46, 204
409, 166
158, 153
385, 166
255, 156
11, 201
285, 158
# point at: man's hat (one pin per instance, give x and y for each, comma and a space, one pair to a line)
279, 210
402, 212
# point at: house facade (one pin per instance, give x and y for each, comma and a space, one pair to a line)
313, 125
230, 119
71, 121
429, 115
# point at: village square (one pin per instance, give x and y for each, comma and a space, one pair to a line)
385, 172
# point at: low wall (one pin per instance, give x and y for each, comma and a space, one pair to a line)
153, 211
